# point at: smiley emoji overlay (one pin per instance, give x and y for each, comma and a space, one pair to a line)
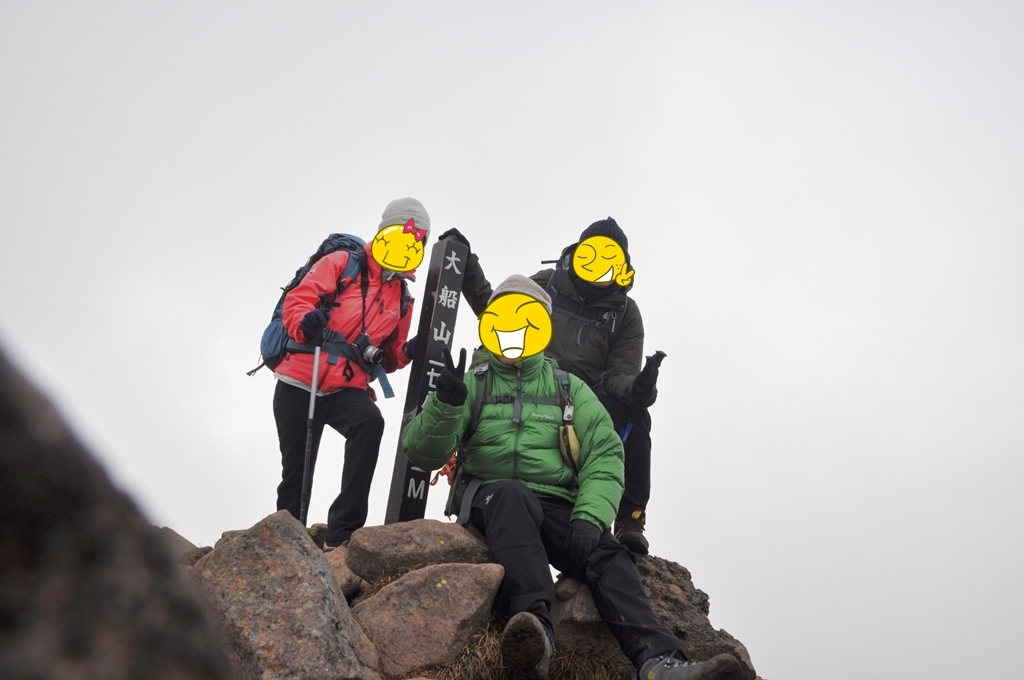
517, 321
602, 254
601, 260
402, 235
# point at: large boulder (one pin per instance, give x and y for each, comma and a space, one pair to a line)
380, 551
284, 613
684, 609
426, 617
88, 587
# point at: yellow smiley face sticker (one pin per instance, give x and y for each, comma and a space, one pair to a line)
399, 247
515, 326
599, 259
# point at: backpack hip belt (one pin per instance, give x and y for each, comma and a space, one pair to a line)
336, 346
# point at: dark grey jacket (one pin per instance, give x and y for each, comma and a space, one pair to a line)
582, 343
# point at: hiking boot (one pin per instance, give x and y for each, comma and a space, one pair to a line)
671, 667
630, 532
526, 648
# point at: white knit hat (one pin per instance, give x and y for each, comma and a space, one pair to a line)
517, 283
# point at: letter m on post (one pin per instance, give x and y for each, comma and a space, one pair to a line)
417, 490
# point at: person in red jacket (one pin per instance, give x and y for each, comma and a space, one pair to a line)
366, 331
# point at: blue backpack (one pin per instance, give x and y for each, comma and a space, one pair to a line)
275, 341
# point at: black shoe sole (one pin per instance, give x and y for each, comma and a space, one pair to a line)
522, 648
722, 667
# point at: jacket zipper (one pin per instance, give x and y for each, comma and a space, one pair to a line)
519, 425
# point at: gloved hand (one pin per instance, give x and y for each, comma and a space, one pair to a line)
645, 389
582, 540
450, 387
313, 325
457, 235
409, 348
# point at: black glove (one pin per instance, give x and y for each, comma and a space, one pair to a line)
313, 325
457, 235
409, 348
645, 385
450, 387
582, 540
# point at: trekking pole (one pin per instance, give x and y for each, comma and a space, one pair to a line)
306, 480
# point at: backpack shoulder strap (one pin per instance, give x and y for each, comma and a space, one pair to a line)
406, 300
550, 287
564, 395
616, 322
356, 265
568, 441
483, 389
485, 379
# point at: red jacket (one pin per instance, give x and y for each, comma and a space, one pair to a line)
387, 327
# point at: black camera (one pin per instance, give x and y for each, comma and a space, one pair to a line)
370, 354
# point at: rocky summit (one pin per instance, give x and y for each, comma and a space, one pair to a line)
89, 589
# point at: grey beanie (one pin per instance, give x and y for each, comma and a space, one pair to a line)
401, 210
517, 283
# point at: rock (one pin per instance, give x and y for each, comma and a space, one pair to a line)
88, 587
190, 558
349, 582
284, 613
318, 532
185, 552
376, 552
579, 627
228, 536
426, 617
683, 609
176, 543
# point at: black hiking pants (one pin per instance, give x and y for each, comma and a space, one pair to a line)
525, 533
356, 417
638, 452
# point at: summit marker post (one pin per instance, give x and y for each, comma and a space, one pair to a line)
438, 311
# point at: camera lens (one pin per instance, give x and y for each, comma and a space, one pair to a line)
373, 355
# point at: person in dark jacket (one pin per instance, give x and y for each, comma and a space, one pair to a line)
376, 315
598, 336
530, 503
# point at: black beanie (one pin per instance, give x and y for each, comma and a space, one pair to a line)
607, 228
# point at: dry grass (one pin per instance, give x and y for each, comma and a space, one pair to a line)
481, 660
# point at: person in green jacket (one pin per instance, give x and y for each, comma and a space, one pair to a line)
598, 335
535, 505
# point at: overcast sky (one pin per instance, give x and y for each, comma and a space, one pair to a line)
824, 208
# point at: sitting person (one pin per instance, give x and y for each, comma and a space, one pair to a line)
536, 503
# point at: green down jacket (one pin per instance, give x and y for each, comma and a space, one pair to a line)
528, 450
577, 343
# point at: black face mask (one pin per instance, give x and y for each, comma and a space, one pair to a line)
588, 291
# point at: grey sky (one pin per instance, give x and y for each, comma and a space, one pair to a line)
824, 209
